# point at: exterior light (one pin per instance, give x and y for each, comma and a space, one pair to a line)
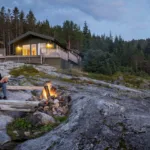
48, 45
18, 48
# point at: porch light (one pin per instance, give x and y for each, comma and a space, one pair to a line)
18, 48
48, 45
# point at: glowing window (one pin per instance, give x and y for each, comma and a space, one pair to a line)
26, 50
33, 50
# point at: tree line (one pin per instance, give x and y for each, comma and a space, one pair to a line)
101, 53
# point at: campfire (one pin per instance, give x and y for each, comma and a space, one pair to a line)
49, 91
48, 109
53, 102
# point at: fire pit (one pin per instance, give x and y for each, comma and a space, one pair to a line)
48, 111
53, 102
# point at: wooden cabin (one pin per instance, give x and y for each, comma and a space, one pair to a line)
36, 48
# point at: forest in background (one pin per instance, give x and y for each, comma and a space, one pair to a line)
101, 53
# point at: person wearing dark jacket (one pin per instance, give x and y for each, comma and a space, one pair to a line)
3, 86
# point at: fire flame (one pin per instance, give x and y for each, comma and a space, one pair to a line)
51, 90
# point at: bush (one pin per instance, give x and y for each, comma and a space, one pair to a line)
21, 124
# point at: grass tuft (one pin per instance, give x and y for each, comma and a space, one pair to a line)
25, 70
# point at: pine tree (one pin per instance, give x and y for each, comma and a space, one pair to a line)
21, 22
31, 21
44, 27
16, 21
8, 32
2, 25
86, 37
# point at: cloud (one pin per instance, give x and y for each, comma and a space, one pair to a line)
28, 2
112, 10
130, 19
98, 9
15, 3
58, 15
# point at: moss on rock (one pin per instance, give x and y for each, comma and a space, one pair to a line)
25, 70
22, 129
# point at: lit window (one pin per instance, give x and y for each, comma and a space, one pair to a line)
33, 50
26, 50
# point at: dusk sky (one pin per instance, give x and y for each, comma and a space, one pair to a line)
128, 18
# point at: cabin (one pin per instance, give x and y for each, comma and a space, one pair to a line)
35, 48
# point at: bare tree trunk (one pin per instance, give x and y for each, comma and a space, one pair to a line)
4, 38
9, 41
47, 91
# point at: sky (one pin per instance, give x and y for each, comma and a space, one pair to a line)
128, 18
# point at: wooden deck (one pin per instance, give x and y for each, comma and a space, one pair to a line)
22, 59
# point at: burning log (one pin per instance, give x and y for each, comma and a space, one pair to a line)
54, 102
47, 91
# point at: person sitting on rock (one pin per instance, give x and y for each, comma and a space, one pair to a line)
3, 82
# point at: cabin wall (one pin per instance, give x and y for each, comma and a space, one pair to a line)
56, 62
24, 59
2, 52
57, 51
33, 41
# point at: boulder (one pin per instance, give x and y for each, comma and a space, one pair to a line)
46, 108
98, 122
27, 133
145, 85
4, 120
20, 77
4, 138
39, 118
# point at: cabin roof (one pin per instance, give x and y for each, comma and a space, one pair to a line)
37, 35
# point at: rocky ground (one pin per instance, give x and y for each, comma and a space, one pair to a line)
102, 117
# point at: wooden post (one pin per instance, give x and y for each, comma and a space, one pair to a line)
41, 59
